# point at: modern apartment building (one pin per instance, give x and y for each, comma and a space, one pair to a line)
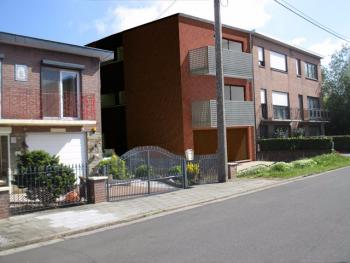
50, 100
160, 89
287, 83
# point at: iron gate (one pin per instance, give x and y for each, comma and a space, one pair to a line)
144, 171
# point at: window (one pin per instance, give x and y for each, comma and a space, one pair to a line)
278, 61
298, 67
280, 104
21, 72
234, 93
314, 108
311, 71
261, 56
264, 131
60, 93
263, 103
281, 131
232, 45
301, 108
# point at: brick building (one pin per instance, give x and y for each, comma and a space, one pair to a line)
287, 83
50, 100
160, 88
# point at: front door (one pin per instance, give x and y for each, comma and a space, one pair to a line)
4, 160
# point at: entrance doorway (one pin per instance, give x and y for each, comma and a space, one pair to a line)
4, 160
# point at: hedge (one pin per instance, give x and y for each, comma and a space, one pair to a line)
290, 144
341, 142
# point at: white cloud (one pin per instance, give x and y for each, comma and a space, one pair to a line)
326, 48
248, 14
298, 41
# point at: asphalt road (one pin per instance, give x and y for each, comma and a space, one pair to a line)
303, 221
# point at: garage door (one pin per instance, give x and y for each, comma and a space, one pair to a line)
70, 147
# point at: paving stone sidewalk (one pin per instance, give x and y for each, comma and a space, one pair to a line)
52, 224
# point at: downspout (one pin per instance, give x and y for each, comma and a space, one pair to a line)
253, 87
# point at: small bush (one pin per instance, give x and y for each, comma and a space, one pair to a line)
114, 166
280, 167
142, 171
175, 170
290, 144
303, 163
43, 177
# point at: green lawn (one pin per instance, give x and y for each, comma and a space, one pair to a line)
302, 167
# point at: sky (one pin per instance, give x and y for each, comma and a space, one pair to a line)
83, 21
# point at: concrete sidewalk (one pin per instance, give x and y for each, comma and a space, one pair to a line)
52, 224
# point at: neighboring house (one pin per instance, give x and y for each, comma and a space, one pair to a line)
50, 100
160, 89
287, 83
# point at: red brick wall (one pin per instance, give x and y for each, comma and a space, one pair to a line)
152, 85
21, 100
195, 34
97, 192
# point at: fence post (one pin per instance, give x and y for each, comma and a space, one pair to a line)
184, 173
148, 174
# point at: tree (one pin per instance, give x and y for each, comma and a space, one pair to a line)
336, 91
43, 177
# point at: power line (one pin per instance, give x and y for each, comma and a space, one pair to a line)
166, 9
310, 19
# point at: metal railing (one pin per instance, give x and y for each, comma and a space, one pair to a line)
38, 188
34, 104
236, 64
236, 113
286, 113
203, 170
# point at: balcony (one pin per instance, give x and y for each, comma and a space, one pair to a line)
237, 113
236, 64
281, 113
30, 106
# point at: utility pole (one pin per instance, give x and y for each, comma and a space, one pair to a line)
220, 103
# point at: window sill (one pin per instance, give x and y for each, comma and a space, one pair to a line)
311, 79
278, 70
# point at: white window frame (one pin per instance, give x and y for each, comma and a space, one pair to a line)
274, 66
279, 93
61, 117
25, 68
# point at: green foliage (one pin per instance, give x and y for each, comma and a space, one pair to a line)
281, 167
175, 170
114, 166
336, 91
192, 172
290, 144
302, 167
43, 177
143, 170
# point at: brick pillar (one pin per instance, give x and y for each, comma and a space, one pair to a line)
97, 191
4, 202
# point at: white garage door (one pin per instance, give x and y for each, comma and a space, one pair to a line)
70, 147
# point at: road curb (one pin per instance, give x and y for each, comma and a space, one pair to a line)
155, 213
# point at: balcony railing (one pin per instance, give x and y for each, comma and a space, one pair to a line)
33, 104
280, 113
237, 113
236, 64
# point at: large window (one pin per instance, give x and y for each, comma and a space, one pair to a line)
261, 56
298, 67
280, 104
60, 93
234, 93
311, 71
263, 103
232, 45
278, 61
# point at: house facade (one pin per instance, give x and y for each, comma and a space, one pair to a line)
50, 100
287, 81
161, 88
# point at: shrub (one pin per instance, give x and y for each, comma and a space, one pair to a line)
115, 166
303, 163
280, 167
175, 170
192, 172
290, 144
43, 176
341, 143
142, 171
